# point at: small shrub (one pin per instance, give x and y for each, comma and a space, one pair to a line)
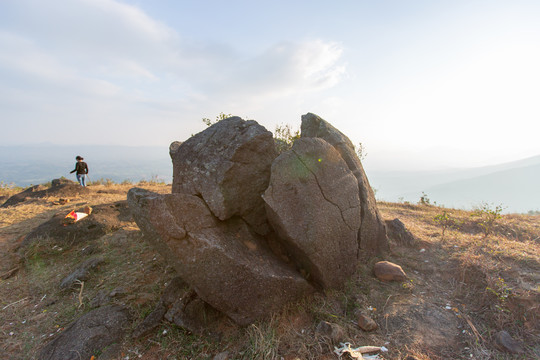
488, 216
220, 117
361, 152
285, 136
102, 181
424, 199
502, 291
445, 221
9, 189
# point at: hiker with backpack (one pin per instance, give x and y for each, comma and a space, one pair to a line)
82, 170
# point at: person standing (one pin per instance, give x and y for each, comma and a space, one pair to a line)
82, 169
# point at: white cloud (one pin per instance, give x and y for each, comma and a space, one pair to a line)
113, 63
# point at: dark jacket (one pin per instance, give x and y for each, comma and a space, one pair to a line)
80, 168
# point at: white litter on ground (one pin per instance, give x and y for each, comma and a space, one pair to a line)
356, 353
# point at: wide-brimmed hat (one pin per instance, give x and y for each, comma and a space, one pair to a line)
79, 158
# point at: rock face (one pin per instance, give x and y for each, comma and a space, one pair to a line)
228, 266
249, 231
89, 335
313, 204
372, 234
228, 165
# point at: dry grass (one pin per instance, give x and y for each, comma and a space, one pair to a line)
462, 290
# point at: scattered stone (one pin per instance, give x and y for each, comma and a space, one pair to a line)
398, 232
9, 273
89, 335
366, 323
330, 330
247, 280
387, 271
505, 342
228, 165
82, 272
372, 234
62, 181
312, 202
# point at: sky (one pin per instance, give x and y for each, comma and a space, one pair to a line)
418, 83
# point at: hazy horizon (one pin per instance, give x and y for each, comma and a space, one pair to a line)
513, 184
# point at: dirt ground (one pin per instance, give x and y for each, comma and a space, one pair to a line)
462, 290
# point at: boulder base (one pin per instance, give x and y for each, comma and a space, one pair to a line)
228, 266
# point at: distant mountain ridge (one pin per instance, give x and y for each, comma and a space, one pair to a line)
515, 185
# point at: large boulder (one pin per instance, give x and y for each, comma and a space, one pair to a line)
372, 234
229, 266
313, 204
250, 231
228, 165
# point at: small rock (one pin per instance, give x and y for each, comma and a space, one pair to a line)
95, 331
397, 231
82, 272
366, 323
330, 330
387, 271
506, 343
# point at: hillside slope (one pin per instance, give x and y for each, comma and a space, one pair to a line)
463, 290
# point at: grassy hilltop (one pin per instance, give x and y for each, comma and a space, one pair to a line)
463, 289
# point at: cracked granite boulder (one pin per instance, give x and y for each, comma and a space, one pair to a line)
250, 231
372, 234
228, 165
313, 204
